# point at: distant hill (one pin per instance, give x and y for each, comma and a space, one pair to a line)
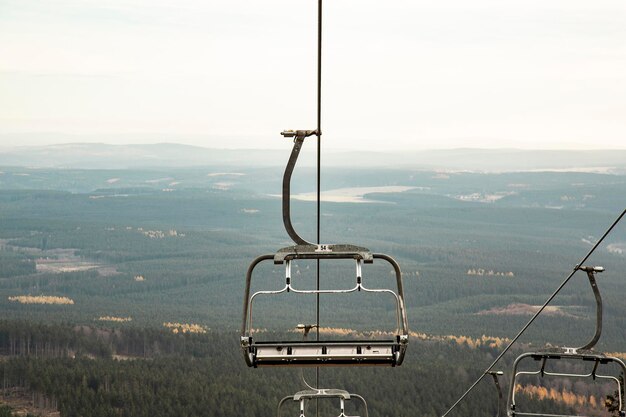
106, 156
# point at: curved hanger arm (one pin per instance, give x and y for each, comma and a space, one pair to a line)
496, 380
298, 136
591, 272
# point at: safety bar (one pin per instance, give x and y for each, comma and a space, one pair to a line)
564, 353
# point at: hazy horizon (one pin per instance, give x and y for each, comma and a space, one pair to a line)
39, 140
166, 155
283, 145
415, 75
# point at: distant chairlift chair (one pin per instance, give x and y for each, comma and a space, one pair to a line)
314, 394
388, 352
584, 353
311, 393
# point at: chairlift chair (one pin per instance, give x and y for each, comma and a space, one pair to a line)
305, 396
584, 353
388, 352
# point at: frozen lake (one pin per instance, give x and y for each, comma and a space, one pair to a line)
351, 195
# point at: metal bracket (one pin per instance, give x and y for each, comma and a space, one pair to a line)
298, 136
336, 251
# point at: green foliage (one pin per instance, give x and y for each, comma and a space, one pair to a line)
163, 374
121, 231
14, 263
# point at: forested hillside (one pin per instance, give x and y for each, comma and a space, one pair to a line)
103, 264
158, 373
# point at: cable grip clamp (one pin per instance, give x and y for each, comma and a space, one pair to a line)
300, 134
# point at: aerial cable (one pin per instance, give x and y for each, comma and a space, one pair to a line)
319, 164
576, 268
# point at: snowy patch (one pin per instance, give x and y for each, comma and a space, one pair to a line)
222, 186
351, 195
617, 248
484, 198
225, 174
158, 180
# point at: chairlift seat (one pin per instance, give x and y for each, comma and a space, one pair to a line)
325, 353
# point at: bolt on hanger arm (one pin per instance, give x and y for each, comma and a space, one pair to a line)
299, 136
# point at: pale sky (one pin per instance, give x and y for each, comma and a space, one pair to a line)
405, 74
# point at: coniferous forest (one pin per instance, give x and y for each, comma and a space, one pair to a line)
121, 290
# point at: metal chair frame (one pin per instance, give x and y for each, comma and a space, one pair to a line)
388, 352
597, 358
584, 353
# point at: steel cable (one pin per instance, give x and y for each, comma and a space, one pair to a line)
319, 164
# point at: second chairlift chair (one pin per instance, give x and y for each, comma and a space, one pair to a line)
584, 353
